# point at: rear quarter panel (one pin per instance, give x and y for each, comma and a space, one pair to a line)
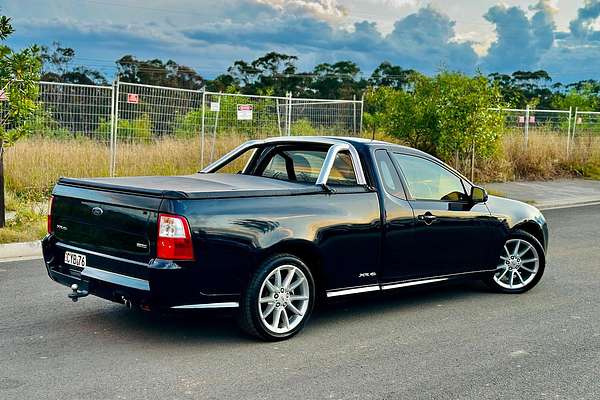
232, 236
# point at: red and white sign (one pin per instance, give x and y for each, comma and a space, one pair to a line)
133, 98
532, 120
244, 112
521, 119
3, 96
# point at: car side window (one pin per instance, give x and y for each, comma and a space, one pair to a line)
389, 176
427, 180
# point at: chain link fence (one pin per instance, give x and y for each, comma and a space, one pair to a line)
150, 117
586, 129
228, 118
125, 120
549, 124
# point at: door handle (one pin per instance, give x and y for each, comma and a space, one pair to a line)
428, 218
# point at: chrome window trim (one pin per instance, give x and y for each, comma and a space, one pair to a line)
230, 304
337, 145
117, 279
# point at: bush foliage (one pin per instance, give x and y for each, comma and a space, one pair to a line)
448, 115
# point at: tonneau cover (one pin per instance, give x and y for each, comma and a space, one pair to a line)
196, 186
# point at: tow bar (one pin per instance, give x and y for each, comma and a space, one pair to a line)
76, 294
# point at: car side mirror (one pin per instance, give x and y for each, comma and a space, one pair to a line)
478, 194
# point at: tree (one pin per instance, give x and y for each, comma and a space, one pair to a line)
56, 67
584, 96
338, 81
56, 59
408, 116
222, 83
19, 73
523, 88
393, 76
274, 73
155, 72
448, 115
466, 121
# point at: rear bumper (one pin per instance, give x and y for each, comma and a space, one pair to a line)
159, 284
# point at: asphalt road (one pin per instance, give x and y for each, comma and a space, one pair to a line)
446, 342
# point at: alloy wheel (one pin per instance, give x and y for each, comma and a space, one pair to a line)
519, 264
283, 299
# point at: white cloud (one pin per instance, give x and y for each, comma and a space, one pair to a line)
327, 10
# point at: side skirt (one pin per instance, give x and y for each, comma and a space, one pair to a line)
231, 304
401, 284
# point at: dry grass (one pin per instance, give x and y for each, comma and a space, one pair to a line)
19, 231
33, 165
545, 158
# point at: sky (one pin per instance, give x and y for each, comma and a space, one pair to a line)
560, 36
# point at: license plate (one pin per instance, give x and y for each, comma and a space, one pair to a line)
75, 259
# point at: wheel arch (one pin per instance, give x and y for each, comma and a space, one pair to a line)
306, 251
533, 229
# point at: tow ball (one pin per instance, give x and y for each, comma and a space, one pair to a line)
76, 294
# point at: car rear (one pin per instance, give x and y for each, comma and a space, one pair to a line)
118, 245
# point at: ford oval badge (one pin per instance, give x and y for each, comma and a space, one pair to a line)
97, 211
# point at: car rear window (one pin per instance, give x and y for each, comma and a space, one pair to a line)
300, 165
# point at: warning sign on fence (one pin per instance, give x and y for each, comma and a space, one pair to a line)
244, 112
133, 98
3, 96
215, 106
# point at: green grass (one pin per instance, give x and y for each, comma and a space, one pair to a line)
28, 224
592, 171
24, 232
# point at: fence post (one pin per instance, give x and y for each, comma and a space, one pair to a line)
569, 131
574, 125
278, 116
354, 115
202, 129
214, 138
362, 110
526, 126
112, 131
115, 130
289, 124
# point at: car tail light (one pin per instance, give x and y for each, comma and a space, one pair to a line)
49, 225
174, 238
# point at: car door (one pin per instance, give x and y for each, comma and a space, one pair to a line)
451, 234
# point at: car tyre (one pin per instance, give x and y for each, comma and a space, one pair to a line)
276, 305
521, 264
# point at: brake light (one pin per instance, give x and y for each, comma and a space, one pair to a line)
174, 238
49, 224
